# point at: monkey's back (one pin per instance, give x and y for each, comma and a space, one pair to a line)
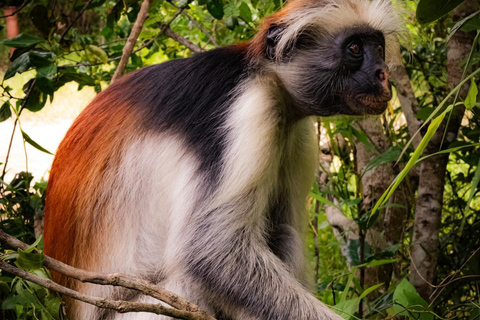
113, 162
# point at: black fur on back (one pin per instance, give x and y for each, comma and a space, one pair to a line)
189, 97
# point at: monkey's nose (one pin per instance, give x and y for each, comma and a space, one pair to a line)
382, 76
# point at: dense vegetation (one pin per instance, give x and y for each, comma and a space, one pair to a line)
380, 248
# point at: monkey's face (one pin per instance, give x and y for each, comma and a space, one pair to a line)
343, 73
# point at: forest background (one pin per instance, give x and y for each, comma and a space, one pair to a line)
394, 214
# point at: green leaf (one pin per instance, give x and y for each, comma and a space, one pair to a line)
39, 17
471, 98
432, 128
347, 308
245, 12
391, 155
33, 245
29, 261
21, 41
431, 10
27, 60
363, 138
353, 252
367, 291
19, 65
37, 99
45, 75
5, 111
324, 201
375, 263
33, 143
407, 302
231, 22
215, 7
98, 54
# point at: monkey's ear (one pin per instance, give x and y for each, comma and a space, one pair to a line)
273, 36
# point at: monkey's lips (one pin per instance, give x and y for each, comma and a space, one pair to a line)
370, 104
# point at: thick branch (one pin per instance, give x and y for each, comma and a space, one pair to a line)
132, 39
117, 305
190, 310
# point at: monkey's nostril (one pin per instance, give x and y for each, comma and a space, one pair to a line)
382, 75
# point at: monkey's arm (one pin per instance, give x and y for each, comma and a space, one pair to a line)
235, 264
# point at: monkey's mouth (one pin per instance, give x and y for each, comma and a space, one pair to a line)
370, 104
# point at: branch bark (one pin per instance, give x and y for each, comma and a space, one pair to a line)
132, 39
183, 308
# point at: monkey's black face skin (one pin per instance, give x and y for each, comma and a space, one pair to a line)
345, 74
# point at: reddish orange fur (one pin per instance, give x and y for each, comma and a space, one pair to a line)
76, 166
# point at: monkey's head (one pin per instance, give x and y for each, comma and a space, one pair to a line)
332, 56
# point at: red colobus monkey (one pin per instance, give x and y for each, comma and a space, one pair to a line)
193, 173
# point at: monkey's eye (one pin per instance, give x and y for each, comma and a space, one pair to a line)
354, 48
381, 51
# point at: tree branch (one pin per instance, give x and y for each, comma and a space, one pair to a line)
132, 39
198, 25
24, 4
184, 309
175, 36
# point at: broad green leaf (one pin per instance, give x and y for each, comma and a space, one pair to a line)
39, 17
347, 308
407, 302
5, 111
34, 144
471, 98
36, 100
21, 41
215, 7
45, 75
28, 60
29, 261
19, 65
245, 12
431, 10
354, 254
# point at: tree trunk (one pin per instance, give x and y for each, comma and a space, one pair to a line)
388, 227
429, 202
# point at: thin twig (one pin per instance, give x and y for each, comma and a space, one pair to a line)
188, 309
146, 44
75, 20
24, 4
197, 24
